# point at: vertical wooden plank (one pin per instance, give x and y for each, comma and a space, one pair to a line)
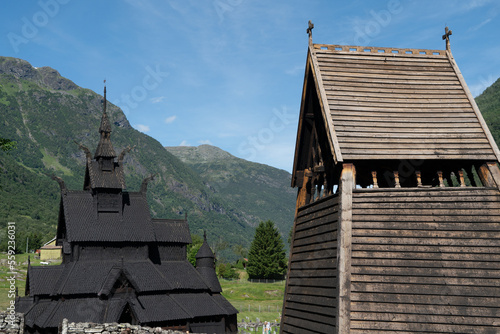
347, 184
494, 171
302, 193
484, 173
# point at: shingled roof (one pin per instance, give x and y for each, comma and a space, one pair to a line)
391, 103
131, 223
118, 263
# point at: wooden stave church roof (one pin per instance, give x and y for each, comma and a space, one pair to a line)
391, 103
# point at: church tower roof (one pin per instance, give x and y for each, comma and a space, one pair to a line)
105, 148
205, 252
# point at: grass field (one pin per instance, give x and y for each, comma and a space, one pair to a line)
253, 300
20, 271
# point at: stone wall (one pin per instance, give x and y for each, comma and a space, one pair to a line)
11, 323
113, 328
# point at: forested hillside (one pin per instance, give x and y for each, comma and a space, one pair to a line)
489, 104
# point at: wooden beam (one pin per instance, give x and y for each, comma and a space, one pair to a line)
298, 140
474, 106
325, 108
489, 174
347, 184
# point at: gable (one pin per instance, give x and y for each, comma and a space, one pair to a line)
387, 103
82, 219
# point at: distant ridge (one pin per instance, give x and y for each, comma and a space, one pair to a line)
45, 113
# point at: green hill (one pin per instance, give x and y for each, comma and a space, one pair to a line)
45, 113
489, 104
259, 191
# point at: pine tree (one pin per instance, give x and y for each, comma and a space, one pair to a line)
266, 258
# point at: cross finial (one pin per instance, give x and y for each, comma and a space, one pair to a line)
310, 28
104, 100
446, 36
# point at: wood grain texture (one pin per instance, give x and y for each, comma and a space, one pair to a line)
426, 261
310, 300
379, 93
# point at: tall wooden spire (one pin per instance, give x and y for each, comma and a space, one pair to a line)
105, 148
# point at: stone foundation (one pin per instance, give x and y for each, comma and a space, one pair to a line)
113, 328
9, 325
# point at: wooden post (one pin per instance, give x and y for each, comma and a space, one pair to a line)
302, 194
396, 179
375, 182
441, 180
419, 178
489, 174
347, 184
462, 180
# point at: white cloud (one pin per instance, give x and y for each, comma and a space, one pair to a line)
476, 3
157, 99
184, 143
205, 142
142, 127
480, 25
170, 119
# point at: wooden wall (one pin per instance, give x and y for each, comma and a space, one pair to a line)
310, 295
426, 260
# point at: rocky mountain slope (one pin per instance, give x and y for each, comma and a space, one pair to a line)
45, 113
257, 190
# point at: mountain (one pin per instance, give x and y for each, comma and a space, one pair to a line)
489, 104
46, 113
259, 191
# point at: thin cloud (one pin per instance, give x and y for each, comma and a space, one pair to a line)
142, 127
184, 143
170, 119
157, 99
480, 25
205, 142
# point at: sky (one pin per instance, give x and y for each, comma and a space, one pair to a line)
230, 73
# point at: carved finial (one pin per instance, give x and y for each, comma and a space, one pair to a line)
125, 151
84, 149
446, 36
309, 29
205, 235
104, 95
62, 185
144, 185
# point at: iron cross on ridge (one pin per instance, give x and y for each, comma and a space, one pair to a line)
446, 36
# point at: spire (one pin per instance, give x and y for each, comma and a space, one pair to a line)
105, 125
105, 148
205, 252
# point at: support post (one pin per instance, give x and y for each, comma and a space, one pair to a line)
489, 174
344, 240
303, 193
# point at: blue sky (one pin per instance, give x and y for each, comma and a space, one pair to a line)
230, 72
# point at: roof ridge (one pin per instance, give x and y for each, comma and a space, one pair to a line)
374, 49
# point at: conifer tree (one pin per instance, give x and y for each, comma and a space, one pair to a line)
266, 258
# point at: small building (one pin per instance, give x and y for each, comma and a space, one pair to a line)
121, 265
50, 251
397, 226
